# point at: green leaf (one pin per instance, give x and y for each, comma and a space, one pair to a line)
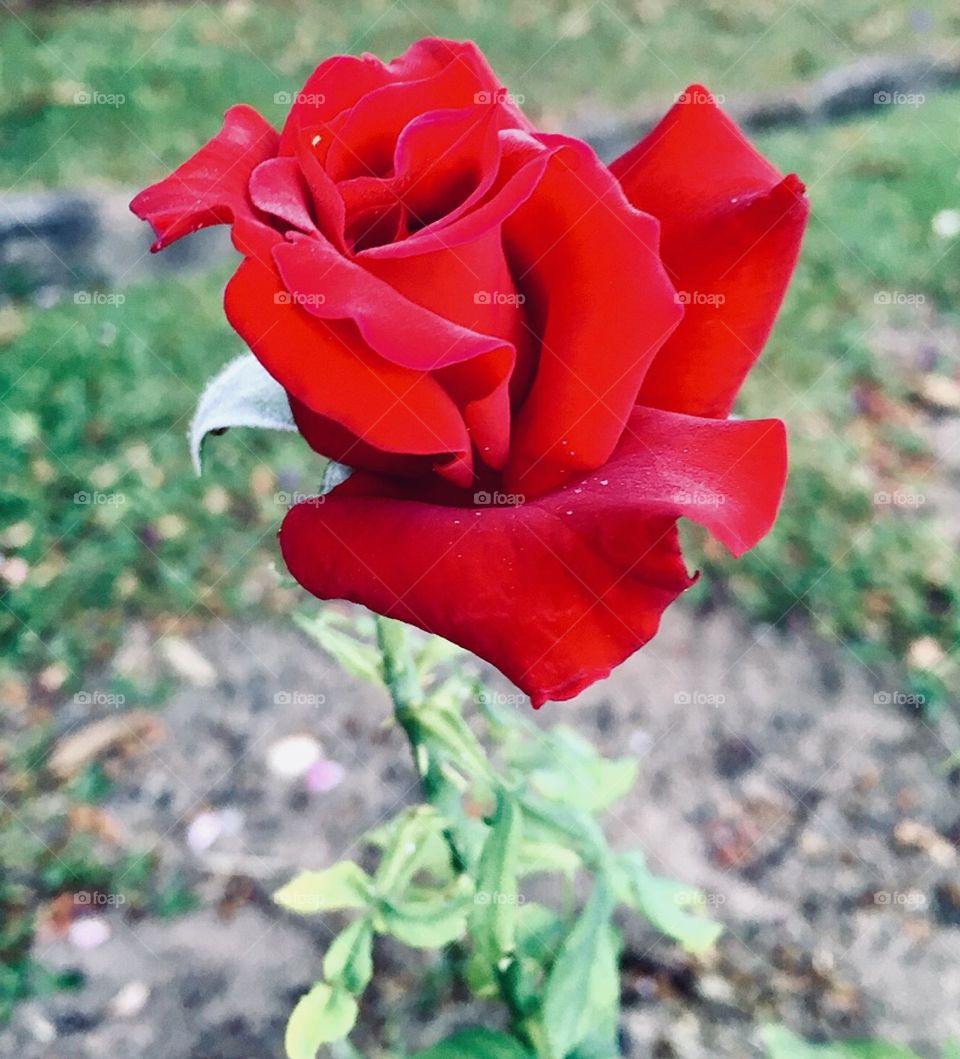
583, 986
780, 1043
345, 885
435, 652
410, 845
349, 960
537, 857
951, 1050
671, 906
494, 918
568, 825
448, 731
425, 924
323, 1015
357, 658
540, 935
566, 768
476, 1043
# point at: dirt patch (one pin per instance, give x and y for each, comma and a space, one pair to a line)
775, 775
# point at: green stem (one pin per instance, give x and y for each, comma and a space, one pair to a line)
406, 693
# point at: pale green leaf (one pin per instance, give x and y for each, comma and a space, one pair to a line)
357, 658
780, 1043
345, 885
476, 1043
583, 983
429, 924
243, 394
410, 846
537, 857
349, 960
674, 908
323, 1015
494, 917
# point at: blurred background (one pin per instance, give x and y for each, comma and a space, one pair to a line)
172, 747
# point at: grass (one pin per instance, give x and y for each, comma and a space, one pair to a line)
101, 502
150, 65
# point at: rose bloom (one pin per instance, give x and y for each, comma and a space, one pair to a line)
528, 357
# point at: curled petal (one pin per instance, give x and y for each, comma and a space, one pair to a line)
729, 241
328, 367
602, 307
211, 187
600, 556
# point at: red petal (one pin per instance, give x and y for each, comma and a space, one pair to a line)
364, 142
556, 591
589, 263
522, 167
277, 187
328, 367
333, 87
471, 285
211, 187
731, 235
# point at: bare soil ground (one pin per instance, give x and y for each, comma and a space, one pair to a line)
776, 774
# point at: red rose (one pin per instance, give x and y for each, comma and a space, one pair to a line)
528, 356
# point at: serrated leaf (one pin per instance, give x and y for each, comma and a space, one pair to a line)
349, 960
449, 731
537, 857
345, 885
494, 917
780, 1043
408, 848
583, 986
323, 1015
429, 924
549, 821
478, 1043
672, 907
243, 394
357, 658
565, 767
